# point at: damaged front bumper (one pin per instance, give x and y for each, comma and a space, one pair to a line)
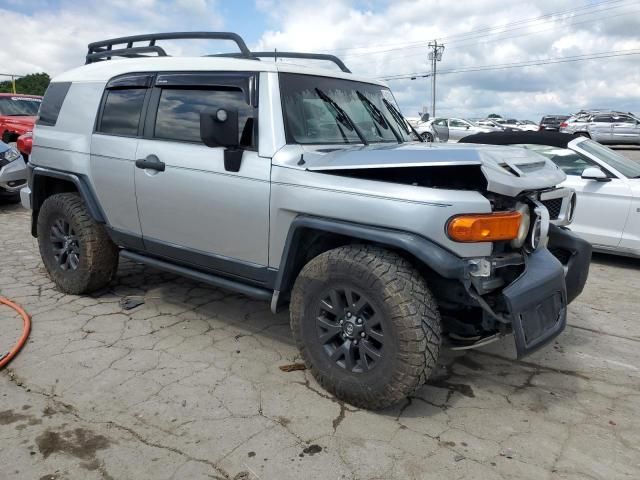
534, 305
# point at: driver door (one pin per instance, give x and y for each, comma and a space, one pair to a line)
457, 129
192, 208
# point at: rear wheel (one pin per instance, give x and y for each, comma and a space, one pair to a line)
76, 251
366, 325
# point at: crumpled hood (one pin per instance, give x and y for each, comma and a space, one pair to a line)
508, 170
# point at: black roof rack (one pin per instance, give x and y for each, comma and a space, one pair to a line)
104, 50
278, 54
311, 56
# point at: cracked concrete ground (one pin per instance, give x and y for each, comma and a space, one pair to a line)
188, 386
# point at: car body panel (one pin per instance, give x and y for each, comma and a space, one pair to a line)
13, 175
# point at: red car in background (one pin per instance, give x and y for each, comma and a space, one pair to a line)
18, 114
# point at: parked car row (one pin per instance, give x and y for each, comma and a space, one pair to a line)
604, 126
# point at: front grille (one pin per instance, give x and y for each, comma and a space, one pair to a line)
554, 205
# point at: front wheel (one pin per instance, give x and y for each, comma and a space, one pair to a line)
366, 325
76, 251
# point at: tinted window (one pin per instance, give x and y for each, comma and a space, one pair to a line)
52, 103
122, 111
624, 119
179, 112
602, 118
19, 105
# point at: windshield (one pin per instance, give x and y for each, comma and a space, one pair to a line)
24, 106
626, 167
314, 107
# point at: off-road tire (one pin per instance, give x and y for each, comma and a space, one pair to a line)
98, 255
411, 324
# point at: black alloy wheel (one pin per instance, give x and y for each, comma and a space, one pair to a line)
65, 244
350, 329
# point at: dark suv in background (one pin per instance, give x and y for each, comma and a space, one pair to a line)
552, 122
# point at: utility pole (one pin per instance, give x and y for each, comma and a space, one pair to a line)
435, 55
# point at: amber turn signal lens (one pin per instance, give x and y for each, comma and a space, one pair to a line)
484, 227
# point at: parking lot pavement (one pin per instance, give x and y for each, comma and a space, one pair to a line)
188, 385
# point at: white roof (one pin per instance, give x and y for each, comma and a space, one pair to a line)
105, 70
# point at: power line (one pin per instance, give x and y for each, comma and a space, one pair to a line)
405, 45
478, 39
529, 63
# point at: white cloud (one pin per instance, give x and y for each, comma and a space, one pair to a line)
356, 33
368, 35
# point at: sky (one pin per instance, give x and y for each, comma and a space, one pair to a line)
382, 39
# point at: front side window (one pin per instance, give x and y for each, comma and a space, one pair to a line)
454, 122
179, 109
18, 106
122, 111
441, 122
315, 107
602, 119
624, 119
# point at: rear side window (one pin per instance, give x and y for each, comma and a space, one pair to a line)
121, 111
603, 118
178, 116
52, 103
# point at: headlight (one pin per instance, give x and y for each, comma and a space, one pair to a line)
523, 231
11, 155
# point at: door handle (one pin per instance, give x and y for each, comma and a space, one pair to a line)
151, 162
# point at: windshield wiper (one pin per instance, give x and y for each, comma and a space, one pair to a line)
341, 116
397, 116
377, 116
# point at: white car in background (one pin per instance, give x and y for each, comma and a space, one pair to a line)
607, 184
457, 128
518, 125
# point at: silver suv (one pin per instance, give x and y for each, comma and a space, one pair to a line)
604, 127
300, 186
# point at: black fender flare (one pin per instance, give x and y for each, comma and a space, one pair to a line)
440, 260
39, 174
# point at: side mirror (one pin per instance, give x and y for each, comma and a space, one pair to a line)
467, 127
219, 128
594, 173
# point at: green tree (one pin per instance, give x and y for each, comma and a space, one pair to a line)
32, 84
494, 115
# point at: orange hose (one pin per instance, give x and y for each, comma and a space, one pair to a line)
25, 331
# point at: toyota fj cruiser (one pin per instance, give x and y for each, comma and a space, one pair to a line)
303, 186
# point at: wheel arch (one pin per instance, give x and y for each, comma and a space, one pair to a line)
45, 182
310, 236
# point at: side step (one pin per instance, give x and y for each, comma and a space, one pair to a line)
214, 280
